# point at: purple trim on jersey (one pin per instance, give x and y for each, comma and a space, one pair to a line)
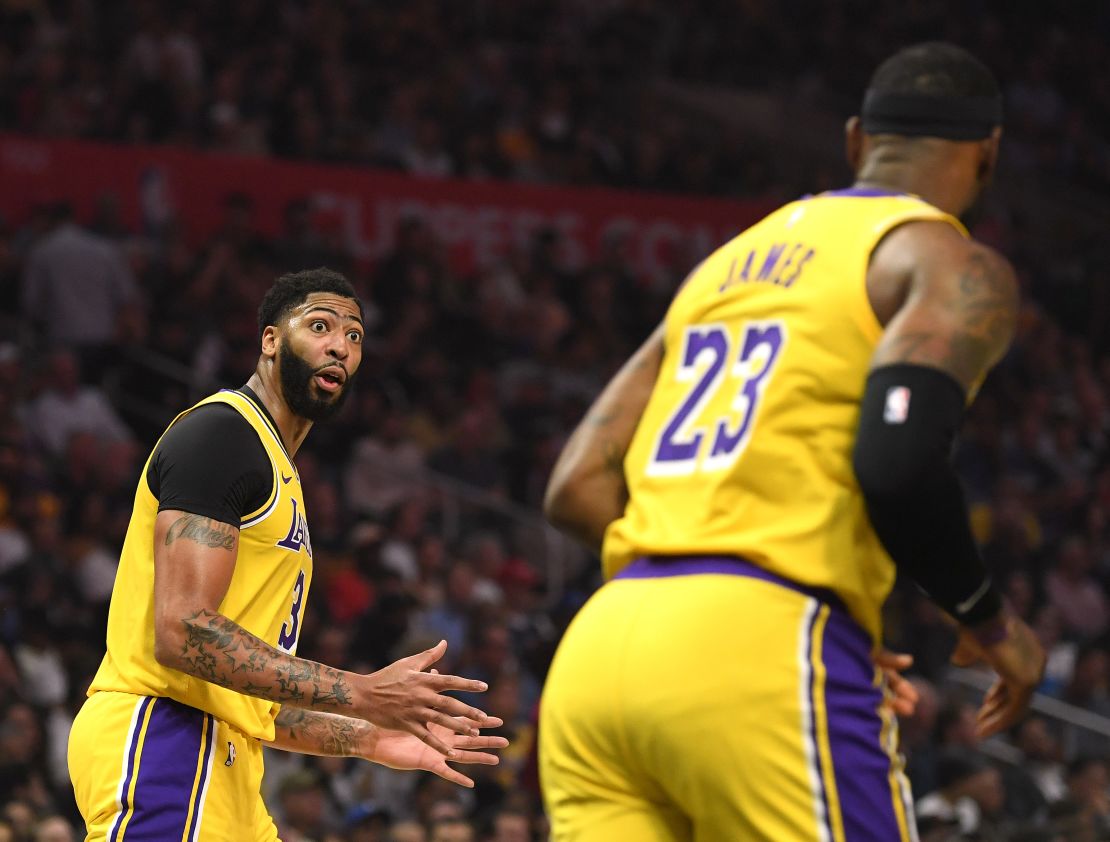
865, 192
124, 805
656, 567
812, 735
202, 784
861, 766
165, 782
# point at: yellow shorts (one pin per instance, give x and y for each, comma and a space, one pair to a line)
146, 769
705, 699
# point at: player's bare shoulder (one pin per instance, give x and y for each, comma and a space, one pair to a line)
953, 302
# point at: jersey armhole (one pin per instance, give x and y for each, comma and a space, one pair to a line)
869, 321
267, 508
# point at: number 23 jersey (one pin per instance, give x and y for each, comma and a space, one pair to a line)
745, 446
273, 568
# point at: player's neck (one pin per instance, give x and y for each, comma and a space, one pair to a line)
927, 182
293, 428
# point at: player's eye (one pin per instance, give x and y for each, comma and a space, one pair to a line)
320, 326
354, 336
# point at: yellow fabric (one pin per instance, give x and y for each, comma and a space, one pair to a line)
219, 801
269, 581
677, 709
786, 334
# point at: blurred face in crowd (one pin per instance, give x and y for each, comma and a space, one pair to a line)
318, 353
454, 830
511, 827
54, 829
21, 818
19, 734
304, 808
1036, 743
986, 789
1090, 784
407, 832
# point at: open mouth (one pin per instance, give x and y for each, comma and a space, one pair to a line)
330, 379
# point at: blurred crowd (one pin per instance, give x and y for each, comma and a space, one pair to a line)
423, 495
525, 89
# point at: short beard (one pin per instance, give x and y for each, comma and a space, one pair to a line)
296, 387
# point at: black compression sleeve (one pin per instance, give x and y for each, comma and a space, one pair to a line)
211, 463
908, 421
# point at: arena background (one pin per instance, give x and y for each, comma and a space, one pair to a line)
516, 188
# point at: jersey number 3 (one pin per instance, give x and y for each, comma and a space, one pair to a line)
287, 638
685, 445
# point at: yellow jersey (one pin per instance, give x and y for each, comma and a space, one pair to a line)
745, 446
273, 572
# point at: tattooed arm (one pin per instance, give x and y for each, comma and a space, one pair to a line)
948, 302
194, 559
328, 734
587, 489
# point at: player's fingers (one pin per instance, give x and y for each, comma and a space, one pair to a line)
481, 742
479, 758
997, 710
431, 740
422, 660
889, 660
488, 722
454, 724
999, 721
439, 683
458, 710
452, 775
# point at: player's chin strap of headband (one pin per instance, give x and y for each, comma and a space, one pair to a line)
926, 115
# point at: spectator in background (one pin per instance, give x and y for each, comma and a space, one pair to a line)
969, 791
1089, 787
408, 831
54, 829
510, 826
1043, 758
452, 830
1076, 593
304, 807
76, 288
64, 408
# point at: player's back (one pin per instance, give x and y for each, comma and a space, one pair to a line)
745, 447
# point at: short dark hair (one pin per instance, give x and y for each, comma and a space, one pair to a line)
291, 289
934, 68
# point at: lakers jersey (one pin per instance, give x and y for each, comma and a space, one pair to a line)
273, 571
745, 447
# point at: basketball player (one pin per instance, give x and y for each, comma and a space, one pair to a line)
201, 668
756, 474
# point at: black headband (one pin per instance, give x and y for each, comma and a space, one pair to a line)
927, 115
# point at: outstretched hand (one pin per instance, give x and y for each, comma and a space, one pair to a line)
903, 695
403, 697
400, 750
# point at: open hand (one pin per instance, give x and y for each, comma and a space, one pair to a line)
403, 697
400, 750
1012, 650
903, 695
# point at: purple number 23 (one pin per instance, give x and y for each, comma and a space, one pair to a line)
707, 349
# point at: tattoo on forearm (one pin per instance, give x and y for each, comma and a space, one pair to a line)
984, 309
324, 733
203, 531
221, 651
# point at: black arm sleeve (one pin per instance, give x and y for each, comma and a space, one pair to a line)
211, 463
908, 422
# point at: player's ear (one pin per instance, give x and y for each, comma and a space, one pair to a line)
853, 143
988, 156
269, 342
